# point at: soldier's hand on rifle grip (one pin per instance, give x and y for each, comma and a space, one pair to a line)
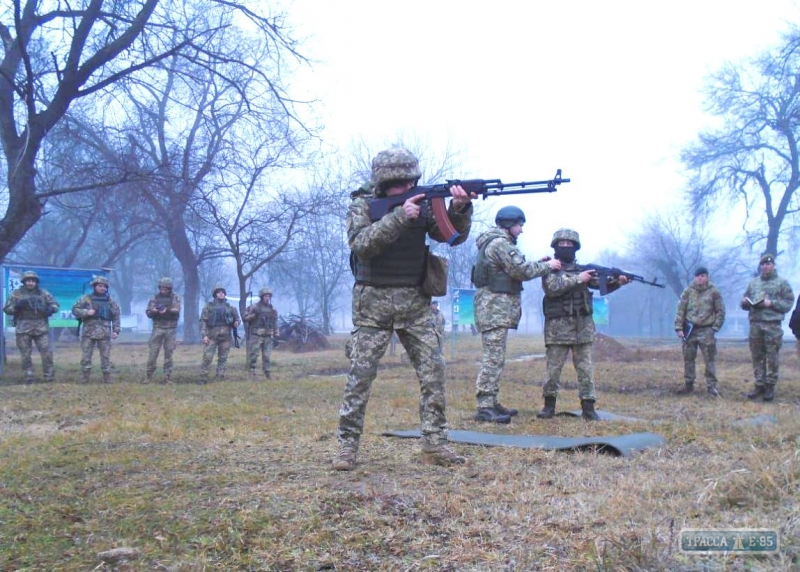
587, 276
461, 197
680, 334
411, 206
623, 279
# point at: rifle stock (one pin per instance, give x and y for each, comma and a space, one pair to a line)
380, 207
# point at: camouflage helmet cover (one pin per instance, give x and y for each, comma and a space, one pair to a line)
509, 216
216, 289
99, 280
165, 283
566, 234
30, 274
394, 165
264, 291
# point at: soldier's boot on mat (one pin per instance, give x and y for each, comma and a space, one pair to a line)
345, 459
490, 415
549, 409
441, 455
503, 410
587, 405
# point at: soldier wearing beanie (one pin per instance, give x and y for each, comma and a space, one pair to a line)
700, 315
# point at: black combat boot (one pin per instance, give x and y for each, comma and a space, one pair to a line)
686, 389
769, 393
490, 415
502, 410
758, 392
549, 409
587, 405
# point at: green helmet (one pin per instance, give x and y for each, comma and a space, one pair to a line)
264, 291
217, 289
30, 275
509, 216
99, 280
394, 165
566, 234
165, 283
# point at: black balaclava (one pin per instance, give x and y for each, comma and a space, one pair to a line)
565, 253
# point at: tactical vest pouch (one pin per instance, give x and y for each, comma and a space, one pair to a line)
436, 269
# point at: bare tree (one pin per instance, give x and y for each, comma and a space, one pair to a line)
752, 157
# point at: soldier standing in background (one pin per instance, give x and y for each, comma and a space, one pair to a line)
164, 309
438, 319
217, 322
388, 260
568, 323
767, 298
31, 306
262, 326
100, 316
700, 315
498, 273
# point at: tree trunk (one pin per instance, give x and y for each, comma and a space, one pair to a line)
24, 209
179, 241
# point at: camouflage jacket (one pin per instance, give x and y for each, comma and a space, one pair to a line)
779, 293
391, 307
96, 327
31, 310
700, 306
218, 319
438, 322
575, 329
262, 319
172, 305
495, 309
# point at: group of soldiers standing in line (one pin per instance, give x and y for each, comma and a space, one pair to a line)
99, 318
388, 257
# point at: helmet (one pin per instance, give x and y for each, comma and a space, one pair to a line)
217, 289
509, 216
165, 283
394, 165
30, 274
264, 291
99, 280
566, 234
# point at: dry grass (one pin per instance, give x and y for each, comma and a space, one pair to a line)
236, 475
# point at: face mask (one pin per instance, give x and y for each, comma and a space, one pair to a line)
565, 253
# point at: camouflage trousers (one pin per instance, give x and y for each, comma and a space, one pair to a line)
581, 359
487, 386
87, 349
221, 345
25, 345
702, 337
259, 344
367, 348
765, 340
161, 337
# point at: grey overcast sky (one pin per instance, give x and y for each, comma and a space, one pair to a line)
607, 90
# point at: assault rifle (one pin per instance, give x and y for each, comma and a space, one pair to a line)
378, 208
235, 332
604, 273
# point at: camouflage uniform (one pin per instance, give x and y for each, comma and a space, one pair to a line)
31, 309
704, 307
378, 310
568, 324
217, 322
96, 330
164, 310
438, 322
496, 312
766, 332
262, 320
